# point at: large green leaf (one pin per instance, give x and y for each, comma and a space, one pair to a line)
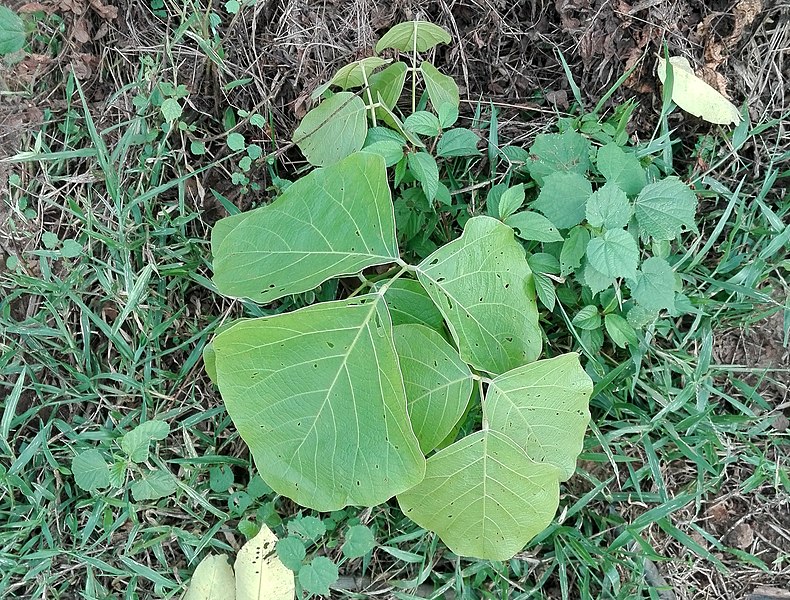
386, 87
438, 383
482, 284
413, 35
484, 496
543, 407
408, 302
318, 396
441, 88
334, 221
333, 130
12, 31
353, 74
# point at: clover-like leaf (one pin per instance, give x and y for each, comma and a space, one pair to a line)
484, 496
483, 286
543, 407
287, 247
136, 442
438, 383
333, 130
318, 396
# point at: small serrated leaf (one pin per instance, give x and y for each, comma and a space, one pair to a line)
317, 576
664, 208
137, 441
609, 207
563, 198
654, 287
359, 541
621, 169
292, 552
614, 254
566, 152
153, 485
171, 110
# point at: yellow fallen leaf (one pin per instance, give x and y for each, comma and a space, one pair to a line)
259, 573
212, 580
695, 96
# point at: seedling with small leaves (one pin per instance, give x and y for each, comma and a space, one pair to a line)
341, 401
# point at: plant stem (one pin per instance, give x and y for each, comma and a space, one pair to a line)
414, 72
403, 269
370, 96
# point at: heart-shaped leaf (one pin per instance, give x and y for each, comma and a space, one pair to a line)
317, 394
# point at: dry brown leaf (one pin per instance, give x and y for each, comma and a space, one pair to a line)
741, 536
32, 7
745, 12
77, 7
81, 33
105, 11
718, 513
